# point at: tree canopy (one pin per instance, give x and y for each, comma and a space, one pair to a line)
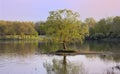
64, 26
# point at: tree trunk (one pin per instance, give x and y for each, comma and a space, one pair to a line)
64, 46
64, 65
64, 59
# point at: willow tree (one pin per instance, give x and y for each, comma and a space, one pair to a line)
64, 26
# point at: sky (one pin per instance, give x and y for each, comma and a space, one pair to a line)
38, 10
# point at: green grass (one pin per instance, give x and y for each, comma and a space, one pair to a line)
5, 37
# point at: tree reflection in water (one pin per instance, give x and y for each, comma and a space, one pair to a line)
113, 70
18, 48
64, 67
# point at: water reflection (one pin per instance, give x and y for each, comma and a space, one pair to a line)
104, 46
26, 47
18, 48
81, 64
15, 54
63, 66
48, 47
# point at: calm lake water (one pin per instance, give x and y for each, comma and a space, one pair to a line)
26, 57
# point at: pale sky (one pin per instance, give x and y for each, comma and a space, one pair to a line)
38, 10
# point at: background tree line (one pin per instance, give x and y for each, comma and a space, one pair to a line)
19, 29
107, 28
104, 28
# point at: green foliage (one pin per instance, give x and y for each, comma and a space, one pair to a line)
64, 26
106, 28
102, 27
91, 22
39, 26
21, 29
115, 26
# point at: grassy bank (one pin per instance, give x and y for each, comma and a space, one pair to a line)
20, 37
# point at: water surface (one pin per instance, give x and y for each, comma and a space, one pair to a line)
26, 57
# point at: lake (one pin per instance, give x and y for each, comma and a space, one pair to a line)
31, 57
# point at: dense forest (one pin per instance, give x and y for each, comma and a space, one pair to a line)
106, 28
